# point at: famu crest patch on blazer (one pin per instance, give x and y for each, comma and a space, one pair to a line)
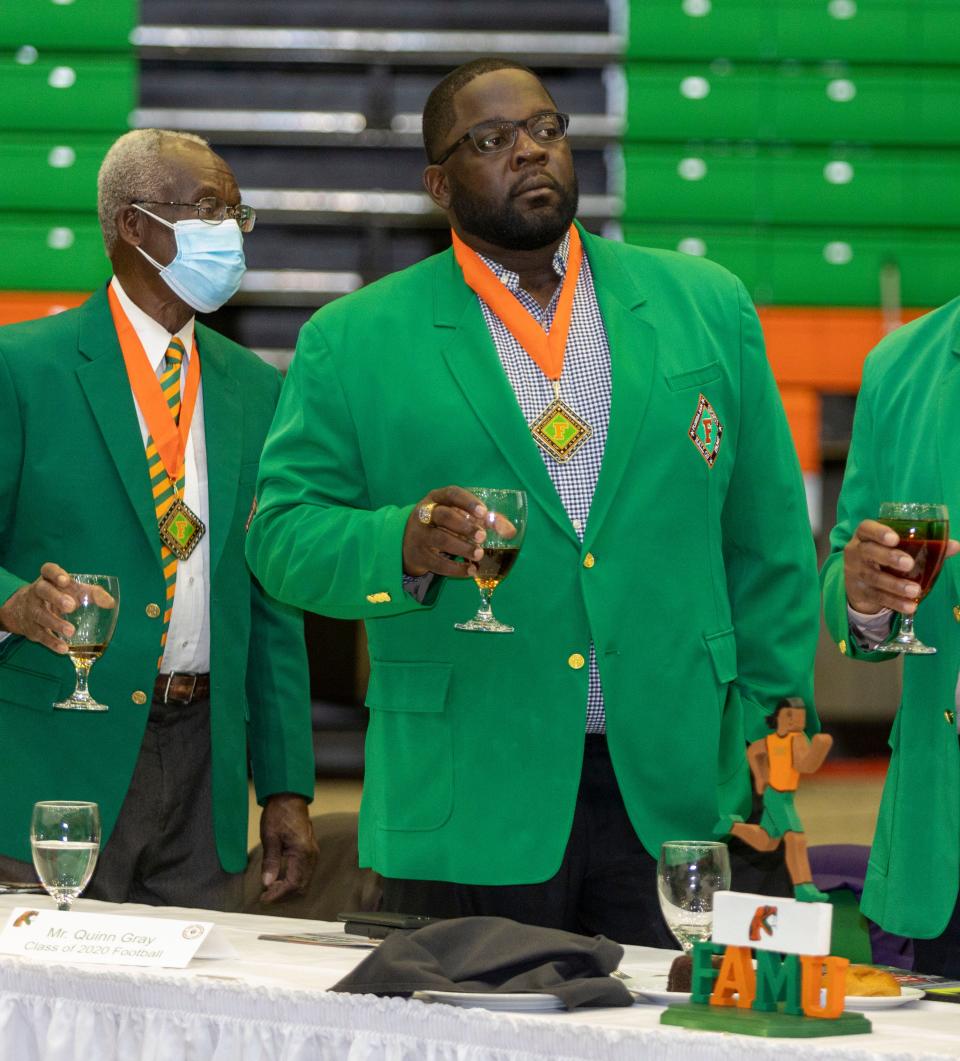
706, 430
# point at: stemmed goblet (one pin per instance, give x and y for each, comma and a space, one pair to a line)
688, 874
94, 621
500, 551
65, 840
924, 530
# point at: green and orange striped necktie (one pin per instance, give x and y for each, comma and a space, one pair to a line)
160, 483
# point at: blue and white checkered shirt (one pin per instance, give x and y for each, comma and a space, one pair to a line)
585, 386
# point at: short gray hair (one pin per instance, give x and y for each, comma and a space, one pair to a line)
134, 168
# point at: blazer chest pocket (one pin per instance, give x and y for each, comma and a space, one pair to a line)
417, 687
694, 377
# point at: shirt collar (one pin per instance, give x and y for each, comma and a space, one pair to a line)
511, 280
154, 337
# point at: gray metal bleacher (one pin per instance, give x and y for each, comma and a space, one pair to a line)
317, 109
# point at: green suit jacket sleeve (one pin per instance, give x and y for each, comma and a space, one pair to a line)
859, 499
328, 551
278, 694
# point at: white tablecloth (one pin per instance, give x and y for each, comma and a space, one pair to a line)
272, 1004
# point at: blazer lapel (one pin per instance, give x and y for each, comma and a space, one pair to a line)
474, 364
103, 378
633, 350
223, 430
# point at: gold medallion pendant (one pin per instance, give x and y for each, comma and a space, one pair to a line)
180, 529
560, 431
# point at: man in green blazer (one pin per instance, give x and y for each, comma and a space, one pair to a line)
664, 598
903, 450
167, 762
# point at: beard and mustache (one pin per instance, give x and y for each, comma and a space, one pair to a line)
511, 224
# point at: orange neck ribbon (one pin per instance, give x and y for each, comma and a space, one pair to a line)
169, 438
546, 348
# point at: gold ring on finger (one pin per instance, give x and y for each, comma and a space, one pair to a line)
425, 512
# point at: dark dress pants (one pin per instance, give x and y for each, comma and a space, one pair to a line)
606, 884
942, 954
162, 851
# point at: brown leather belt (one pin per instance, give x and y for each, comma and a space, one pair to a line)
181, 688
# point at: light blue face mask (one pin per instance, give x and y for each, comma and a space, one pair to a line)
208, 265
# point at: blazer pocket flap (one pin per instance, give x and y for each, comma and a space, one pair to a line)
723, 652
28, 688
695, 377
408, 686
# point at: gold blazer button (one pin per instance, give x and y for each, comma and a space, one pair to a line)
950, 717
842, 645
153, 610
576, 661
956, 612
589, 560
139, 697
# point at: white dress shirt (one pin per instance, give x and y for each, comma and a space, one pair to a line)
188, 637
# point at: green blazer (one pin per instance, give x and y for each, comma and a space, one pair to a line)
74, 489
904, 449
697, 584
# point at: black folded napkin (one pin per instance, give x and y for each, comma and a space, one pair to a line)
493, 954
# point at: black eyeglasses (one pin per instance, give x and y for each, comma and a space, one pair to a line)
213, 211
489, 138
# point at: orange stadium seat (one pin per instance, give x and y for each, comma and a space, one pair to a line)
18, 306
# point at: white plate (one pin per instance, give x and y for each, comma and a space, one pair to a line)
493, 1000
661, 996
907, 994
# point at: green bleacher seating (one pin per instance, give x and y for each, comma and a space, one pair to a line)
79, 25
807, 103
51, 252
839, 265
67, 91
788, 185
54, 170
898, 31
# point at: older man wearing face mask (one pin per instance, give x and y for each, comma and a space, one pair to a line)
131, 438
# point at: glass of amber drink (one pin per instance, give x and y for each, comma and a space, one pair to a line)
924, 530
94, 621
506, 525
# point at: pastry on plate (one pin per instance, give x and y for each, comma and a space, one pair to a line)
867, 980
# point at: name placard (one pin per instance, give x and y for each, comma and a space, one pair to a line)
764, 922
111, 939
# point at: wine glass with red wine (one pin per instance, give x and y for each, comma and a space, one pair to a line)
924, 531
506, 525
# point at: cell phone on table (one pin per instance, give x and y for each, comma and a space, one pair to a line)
320, 939
378, 924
